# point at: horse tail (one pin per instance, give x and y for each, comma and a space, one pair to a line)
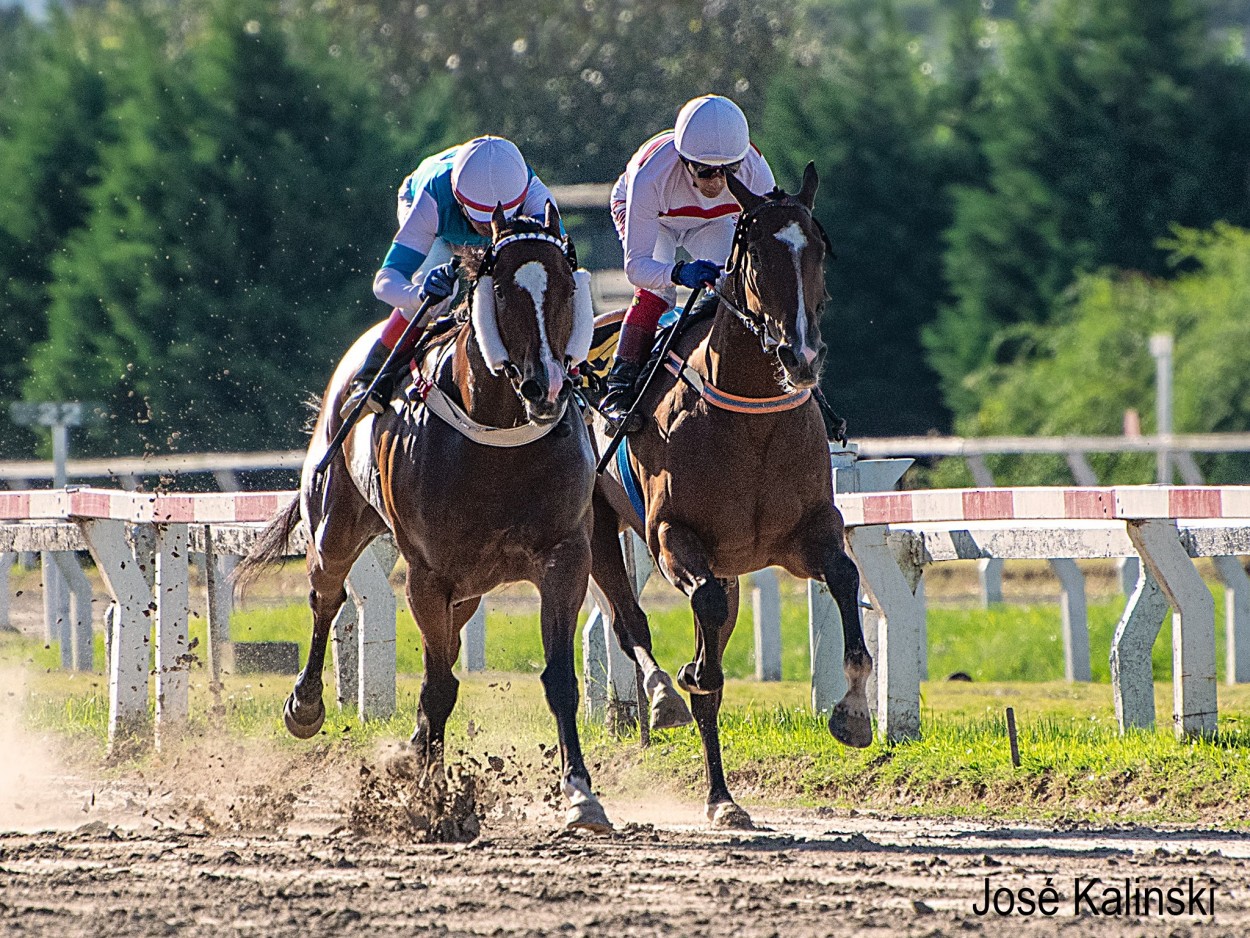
270, 547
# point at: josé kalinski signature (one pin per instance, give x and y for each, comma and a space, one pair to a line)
1095, 896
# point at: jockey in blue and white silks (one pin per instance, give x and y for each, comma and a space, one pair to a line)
447, 200
673, 194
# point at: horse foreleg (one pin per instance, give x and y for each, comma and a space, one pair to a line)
562, 587
430, 605
684, 563
721, 808
629, 622
850, 722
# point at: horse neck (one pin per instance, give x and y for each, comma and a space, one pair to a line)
736, 362
487, 398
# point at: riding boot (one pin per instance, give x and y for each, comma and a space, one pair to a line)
620, 394
370, 369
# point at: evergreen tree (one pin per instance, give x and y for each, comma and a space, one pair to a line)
230, 242
52, 126
1113, 119
868, 115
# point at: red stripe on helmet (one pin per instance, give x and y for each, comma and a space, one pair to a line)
490, 208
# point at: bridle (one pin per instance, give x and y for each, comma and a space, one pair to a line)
483, 294
744, 233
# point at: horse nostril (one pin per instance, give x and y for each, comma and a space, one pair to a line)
787, 357
532, 391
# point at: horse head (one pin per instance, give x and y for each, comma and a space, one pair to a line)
777, 285
532, 312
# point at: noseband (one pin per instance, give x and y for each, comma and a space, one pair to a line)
483, 306
744, 232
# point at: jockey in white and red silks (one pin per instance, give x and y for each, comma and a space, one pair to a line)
447, 200
673, 194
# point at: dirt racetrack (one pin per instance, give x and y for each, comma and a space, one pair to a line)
129, 870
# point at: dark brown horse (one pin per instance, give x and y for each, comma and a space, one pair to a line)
484, 476
733, 470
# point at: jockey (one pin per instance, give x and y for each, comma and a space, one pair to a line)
673, 194
447, 200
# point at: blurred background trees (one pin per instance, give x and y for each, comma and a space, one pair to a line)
197, 194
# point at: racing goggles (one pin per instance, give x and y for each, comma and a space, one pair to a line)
704, 171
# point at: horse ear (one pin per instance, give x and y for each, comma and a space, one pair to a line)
551, 220
498, 221
746, 198
807, 195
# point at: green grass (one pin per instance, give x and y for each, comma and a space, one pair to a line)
1075, 763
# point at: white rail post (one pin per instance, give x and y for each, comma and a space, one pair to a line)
596, 634
622, 670
370, 589
345, 652
1194, 710
825, 643
473, 640
6, 564
766, 612
172, 614
55, 607
128, 665
898, 636
1132, 674
989, 569
76, 631
1236, 618
1075, 620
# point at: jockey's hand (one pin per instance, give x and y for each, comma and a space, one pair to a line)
695, 273
439, 283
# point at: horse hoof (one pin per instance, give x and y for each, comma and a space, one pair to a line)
588, 816
669, 711
687, 681
303, 728
850, 729
728, 816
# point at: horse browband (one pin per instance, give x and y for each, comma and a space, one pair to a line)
564, 244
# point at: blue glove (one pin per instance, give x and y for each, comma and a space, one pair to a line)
439, 283
695, 273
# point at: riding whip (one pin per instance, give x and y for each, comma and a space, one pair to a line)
415, 326
646, 383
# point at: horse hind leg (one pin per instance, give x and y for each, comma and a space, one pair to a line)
850, 722
629, 622
305, 710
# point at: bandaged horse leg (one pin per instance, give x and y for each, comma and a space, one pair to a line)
430, 604
629, 622
562, 588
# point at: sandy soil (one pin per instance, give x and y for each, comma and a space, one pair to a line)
228, 842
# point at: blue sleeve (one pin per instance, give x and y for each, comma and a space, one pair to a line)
404, 259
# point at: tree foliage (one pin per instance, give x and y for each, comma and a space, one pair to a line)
223, 262
1112, 119
1094, 363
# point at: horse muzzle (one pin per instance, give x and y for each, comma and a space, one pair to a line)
545, 395
802, 366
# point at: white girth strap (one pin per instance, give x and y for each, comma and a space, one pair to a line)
451, 414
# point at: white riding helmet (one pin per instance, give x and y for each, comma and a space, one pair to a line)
486, 172
712, 130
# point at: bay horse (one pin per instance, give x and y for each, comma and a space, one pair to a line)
732, 471
484, 476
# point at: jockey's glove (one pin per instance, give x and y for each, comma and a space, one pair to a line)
695, 273
439, 283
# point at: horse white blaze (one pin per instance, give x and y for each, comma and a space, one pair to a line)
792, 236
532, 277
